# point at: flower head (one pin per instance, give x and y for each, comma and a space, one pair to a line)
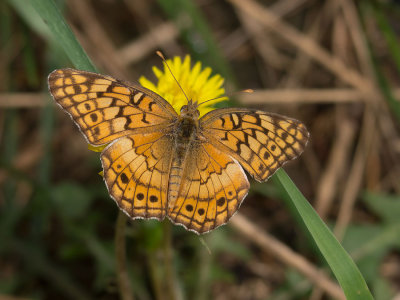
197, 83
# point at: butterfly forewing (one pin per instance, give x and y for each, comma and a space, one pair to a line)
262, 142
105, 108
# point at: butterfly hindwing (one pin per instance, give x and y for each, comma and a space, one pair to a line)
136, 172
262, 142
105, 108
211, 191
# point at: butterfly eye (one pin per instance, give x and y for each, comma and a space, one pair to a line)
184, 108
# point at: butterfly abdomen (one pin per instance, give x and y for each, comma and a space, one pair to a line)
174, 182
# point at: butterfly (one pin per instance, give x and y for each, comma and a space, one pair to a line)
158, 163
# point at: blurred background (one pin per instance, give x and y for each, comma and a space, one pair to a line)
333, 64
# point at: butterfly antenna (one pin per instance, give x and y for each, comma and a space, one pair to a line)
230, 95
159, 53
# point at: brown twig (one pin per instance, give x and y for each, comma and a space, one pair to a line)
286, 255
327, 187
155, 38
302, 62
304, 43
354, 27
275, 96
95, 33
304, 96
26, 100
262, 42
145, 19
355, 177
286, 7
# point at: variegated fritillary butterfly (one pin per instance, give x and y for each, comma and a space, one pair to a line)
159, 163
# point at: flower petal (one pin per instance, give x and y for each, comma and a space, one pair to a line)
196, 82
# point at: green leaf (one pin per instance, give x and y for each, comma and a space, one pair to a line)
341, 264
30, 16
52, 16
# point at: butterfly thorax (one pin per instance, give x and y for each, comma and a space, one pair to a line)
187, 124
186, 128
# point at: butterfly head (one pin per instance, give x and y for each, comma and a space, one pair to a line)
190, 110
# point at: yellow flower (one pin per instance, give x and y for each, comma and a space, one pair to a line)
196, 82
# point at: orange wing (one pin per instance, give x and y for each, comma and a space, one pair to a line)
212, 188
105, 108
136, 172
262, 142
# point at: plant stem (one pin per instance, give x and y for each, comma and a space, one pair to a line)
168, 260
124, 285
155, 276
204, 257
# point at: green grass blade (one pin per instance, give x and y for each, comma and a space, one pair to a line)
30, 16
374, 10
341, 264
52, 16
388, 33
